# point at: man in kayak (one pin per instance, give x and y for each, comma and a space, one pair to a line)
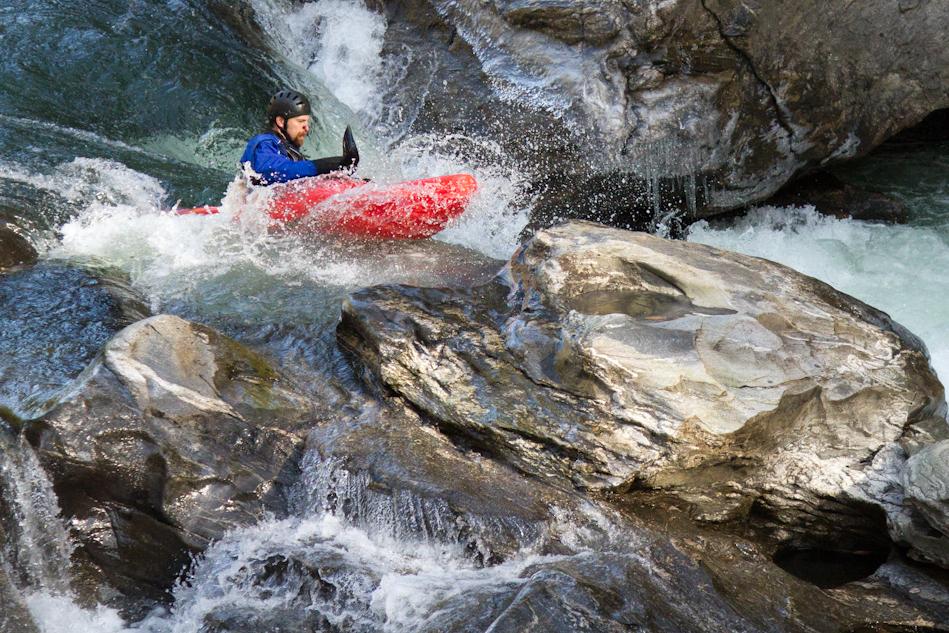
275, 156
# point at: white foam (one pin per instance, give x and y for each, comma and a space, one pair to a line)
382, 584
898, 269
60, 613
338, 41
92, 180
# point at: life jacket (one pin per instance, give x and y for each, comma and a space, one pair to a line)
272, 159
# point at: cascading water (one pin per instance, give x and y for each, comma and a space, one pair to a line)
356, 559
39, 548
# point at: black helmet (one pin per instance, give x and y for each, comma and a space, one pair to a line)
288, 104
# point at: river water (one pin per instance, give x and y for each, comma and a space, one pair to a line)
112, 112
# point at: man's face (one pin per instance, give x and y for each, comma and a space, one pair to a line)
297, 129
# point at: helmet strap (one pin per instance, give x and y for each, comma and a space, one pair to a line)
285, 133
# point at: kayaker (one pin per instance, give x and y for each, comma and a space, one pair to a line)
275, 156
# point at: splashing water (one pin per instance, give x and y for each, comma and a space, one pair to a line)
377, 565
124, 221
341, 43
378, 584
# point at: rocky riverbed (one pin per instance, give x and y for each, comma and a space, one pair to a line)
616, 431
207, 426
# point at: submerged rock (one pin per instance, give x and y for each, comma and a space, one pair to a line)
14, 248
626, 362
54, 318
172, 436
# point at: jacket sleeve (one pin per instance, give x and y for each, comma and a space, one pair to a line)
274, 167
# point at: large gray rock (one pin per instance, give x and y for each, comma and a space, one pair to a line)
925, 523
623, 361
382, 490
733, 98
172, 436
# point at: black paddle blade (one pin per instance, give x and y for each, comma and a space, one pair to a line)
350, 151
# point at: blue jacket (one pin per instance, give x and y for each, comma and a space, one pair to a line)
269, 157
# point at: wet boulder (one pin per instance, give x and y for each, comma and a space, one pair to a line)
14, 248
387, 470
625, 362
173, 435
924, 524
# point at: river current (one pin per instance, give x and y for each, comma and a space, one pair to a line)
113, 112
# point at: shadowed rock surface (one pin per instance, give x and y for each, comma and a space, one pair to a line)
14, 248
173, 435
649, 90
831, 196
627, 362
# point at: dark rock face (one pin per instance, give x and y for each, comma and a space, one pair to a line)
831, 196
172, 436
626, 362
654, 89
14, 248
